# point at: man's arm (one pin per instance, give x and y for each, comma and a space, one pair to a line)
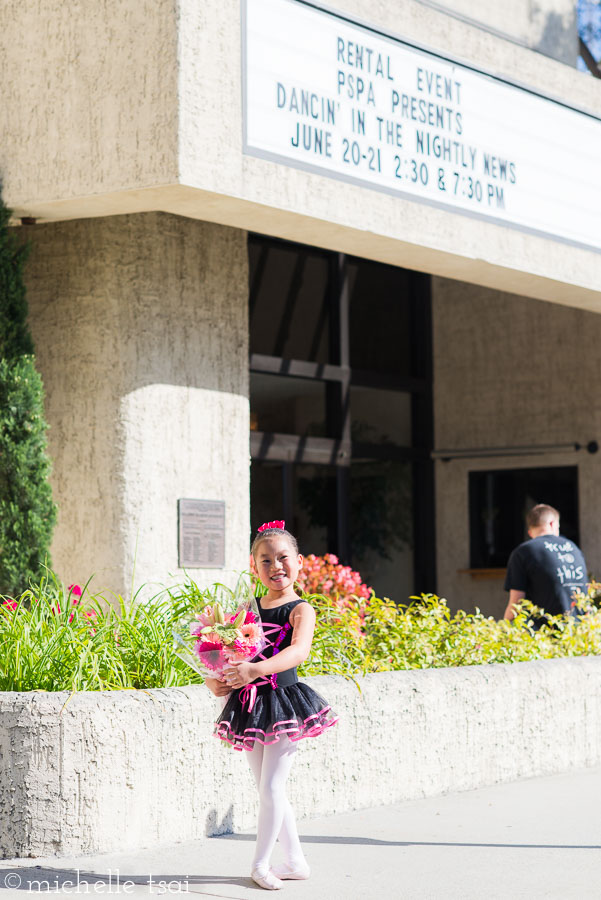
514, 599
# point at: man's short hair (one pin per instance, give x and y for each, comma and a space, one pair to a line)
541, 514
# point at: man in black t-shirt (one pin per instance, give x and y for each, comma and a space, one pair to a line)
547, 569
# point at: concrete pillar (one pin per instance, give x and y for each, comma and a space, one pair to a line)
141, 331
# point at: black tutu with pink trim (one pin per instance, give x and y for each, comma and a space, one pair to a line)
295, 710
277, 706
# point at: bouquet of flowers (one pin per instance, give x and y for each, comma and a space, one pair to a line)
213, 637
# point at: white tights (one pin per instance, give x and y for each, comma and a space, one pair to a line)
271, 766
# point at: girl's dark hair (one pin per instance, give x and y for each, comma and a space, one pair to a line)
273, 532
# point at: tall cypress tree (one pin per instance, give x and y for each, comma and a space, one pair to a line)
27, 513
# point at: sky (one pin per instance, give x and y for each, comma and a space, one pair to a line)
589, 28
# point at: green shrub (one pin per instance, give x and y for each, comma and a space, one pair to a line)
338, 642
27, 513
52, 639
426, 635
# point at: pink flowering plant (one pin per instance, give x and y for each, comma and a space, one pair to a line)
71, 596
225, 630
45, 635
326, 575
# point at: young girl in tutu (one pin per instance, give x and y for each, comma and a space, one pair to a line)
269, 709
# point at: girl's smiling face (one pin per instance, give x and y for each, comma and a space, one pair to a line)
277, 563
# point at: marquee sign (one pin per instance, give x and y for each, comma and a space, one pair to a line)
329, 95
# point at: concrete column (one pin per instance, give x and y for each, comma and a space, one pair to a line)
141, 331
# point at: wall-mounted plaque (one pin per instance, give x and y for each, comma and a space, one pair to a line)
201, 534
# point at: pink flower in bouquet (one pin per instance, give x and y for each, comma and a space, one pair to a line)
238, 651
251, 633
9, 603
204, 618
207, 646
75, 590
211, 655
211, 638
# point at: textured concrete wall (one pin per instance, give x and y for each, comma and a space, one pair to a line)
510, 371
129, 769
90, 90
132, 106
141, 332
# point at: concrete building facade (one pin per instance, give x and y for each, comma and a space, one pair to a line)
140, 156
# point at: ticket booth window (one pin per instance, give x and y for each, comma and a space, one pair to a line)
500, 499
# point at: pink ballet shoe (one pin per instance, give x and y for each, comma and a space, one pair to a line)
267, 880
285, 872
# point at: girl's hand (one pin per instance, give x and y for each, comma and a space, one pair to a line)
219, 688
240, 673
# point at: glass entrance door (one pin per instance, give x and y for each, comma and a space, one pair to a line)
341, 409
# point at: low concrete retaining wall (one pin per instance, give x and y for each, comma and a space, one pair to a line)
128, 769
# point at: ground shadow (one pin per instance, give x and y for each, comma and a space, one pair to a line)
214, 827
43, 879
336, 839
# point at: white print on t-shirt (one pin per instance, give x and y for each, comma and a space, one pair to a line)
566, 557
570, 573
559, 548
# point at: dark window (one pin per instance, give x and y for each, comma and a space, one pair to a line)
499, 501
289, 291
288, 405
380, 416
341, 409
380, 317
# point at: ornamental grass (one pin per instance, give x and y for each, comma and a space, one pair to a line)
54, 638
57, 638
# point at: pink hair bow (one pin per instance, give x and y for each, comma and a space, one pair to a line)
278, 523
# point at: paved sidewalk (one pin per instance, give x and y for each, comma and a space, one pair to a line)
534, 839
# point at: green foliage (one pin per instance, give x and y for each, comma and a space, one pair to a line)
426, 634
27, 513
592, 597
338, 643
15, 339
52, 640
